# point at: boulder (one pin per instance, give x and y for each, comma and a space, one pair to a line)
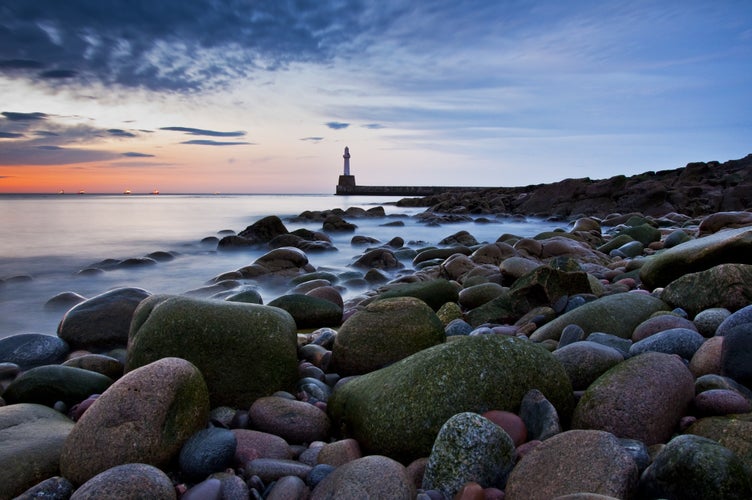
727, 286
435, 293
384, 332
462, 238
335, 224
681, 341
642, 398
368, 477
101, 323
309, 311
585, 361
736, 354
264, 230
378, 258
32, 436
207, 451
244, 351
145, 417
474, 373
617, 314
723, 247
283, 261
469, 447
127, 481
694, 467
46, 385
29, 350
724, 220
573, 462
732, 431
295, 421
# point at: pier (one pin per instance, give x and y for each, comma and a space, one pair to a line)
346, 186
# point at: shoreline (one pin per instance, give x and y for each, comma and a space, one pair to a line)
599, 307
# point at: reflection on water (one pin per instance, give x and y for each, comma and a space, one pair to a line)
51, 238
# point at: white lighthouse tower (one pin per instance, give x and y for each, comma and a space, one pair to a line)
346, 156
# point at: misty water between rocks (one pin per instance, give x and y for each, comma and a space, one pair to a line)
47, 239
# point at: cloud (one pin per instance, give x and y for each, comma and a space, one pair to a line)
374, 126
10, 135
208, 142
337, 125
176, 45
199, 131
116, 132
312, 139
23, 117
131, 154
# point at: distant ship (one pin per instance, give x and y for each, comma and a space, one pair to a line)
127, 191
62, 191
82, 192
156, 191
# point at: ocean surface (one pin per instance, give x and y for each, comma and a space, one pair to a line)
45, 240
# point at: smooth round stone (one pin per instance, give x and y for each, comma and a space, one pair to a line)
660, 323
721, 402
339, 452
477, 295
318, 473
209, 450
629, 250
271, 469
29, 350
318, 355
329, 293
288, 488
311, 371
539, 415
511, 423
255, 444
221, 416
691, 466
639, 452
707, 359
372, 476
675, 238
52, 383
63, 301
309, 311
585, 361
54, 488
232, 486
736, 354
99, 363
295, 421
127, 481
246, 296
571, 334
708, 320
681, 341
209, 489
742, 316
314, 388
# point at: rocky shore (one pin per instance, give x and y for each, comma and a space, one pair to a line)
611, 358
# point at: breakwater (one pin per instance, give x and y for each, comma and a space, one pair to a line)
346, 187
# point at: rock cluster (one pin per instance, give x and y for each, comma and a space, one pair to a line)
610, 359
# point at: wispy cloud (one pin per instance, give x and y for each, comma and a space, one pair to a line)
132, 154
337, 125
312, 139
200, 131
208, 142
23, 117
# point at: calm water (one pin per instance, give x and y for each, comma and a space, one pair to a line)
51, 238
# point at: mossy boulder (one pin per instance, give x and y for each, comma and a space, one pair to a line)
723, 247
244, 351
397, 411
727, 286
308, 311
384, 332
435, 293
616, 314
732, 431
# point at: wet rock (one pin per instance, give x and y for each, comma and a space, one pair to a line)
585, 361
733, 431
692, 467
245, 351
477, 295
435, 292
145, 417
617, 314
432, 385
727, 286
29, 350
32, 436
264, 230
660, 323
54, 488
99, 363
207, 451
49, 384
384, 332
736, 354
681, 341
102, 322
731, 246
708, 320
127, 481
460, 238
63, 301
539, 415
308, 311
572, 462
283, 261
295, 421
724, 220
467, 448
641, 398
368, 477
336, 224
379, 258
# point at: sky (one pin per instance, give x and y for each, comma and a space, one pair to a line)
262, 96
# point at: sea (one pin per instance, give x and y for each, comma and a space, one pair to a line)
46, 240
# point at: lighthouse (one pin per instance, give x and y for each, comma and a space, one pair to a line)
346, 156
346, 182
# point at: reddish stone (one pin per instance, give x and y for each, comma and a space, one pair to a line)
511, 423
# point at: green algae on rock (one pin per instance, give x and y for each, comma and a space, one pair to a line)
397, 411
